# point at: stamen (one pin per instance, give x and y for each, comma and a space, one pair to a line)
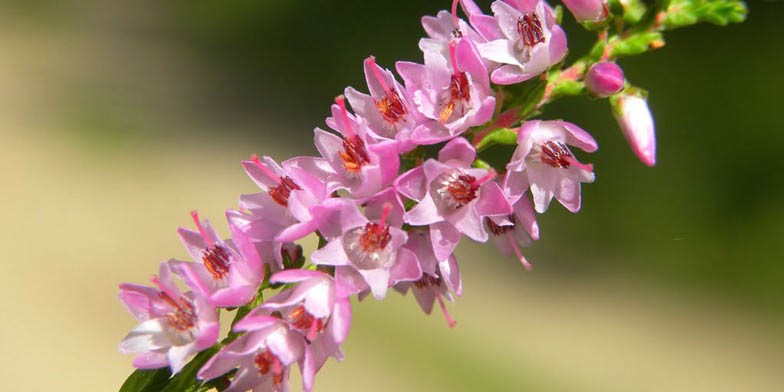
387, 208
265, 169
449, 319
216, 260
496, 229
453, 57
280, 194
197, 221
391, 106
341, 101
487, 177
517, 251
459, 92
557, 155
354, 155
166, 294
530, 28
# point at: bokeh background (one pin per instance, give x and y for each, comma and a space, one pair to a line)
117, 118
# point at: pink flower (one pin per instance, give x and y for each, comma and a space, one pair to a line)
529, 41
387, 108
444, 29
550, 168
587, 10
518, 229
226, 274
452, 197
262, 356
356, 161
452, 92
440, 278
365, 254
173, 326
635, 119
312, 309
604, 79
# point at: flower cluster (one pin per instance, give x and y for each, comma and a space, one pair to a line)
400, 179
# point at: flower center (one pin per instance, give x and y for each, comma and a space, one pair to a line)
182, 317
459, 92
456, 189
354, 155
390, 106
217, 260
427, 280
530, 28
281, 192
368, 247
498, 230
556, 154
300, 319
265, 362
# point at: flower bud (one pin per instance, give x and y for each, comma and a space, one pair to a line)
604, 79
587, 10
634, 117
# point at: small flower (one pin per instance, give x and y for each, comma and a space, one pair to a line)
444, 29
551, 170
635, 119
452, 198
356, 161
263, 355
452, 92
227, 274
439, 278
518, 229
312, 309
174, 325
604, 79
387, 108
530, 41
365, 254
587, 10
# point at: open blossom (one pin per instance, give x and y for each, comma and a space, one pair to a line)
518, 229
551, 170
174, 325
452, 92
526, 43
365, 254
636, 122
387, 109
452, 197
440, 278
442, 31
263, 355
227, 274
354, 161
312, 309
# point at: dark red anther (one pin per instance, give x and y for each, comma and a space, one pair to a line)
217, 260
391, 107
281, 192
375, 237
354, 155
555, 154
463, 189
427, 280
497, 230
530, 28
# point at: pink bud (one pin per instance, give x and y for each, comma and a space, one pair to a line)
634, 118
587, 10
604, 79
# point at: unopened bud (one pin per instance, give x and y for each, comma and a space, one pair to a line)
636, 122
587, 10
604, 79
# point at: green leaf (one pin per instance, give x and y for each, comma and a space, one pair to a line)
688, 12
146, 380
635, 44
503, 136
185, 380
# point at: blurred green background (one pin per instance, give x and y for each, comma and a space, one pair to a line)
117, 118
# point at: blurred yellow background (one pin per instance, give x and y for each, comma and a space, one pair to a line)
114, 124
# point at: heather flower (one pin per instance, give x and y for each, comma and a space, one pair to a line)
440, 278
226, 274
518, 229
263, 355
444, 29
312, 309
587, 10
604, 79
452, 92
530, 41
452, 198
635, 119
355, 161
174, 325
387, 109
365, 254
551, 170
